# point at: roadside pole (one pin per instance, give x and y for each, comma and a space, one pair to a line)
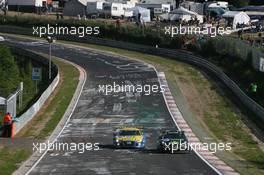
20, 104
36, 86
50, 40
49, 60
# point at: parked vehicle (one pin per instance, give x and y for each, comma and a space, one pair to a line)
119, 10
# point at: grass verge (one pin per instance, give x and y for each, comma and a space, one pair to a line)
10, 158
45, 121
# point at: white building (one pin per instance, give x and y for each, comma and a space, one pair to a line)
144, 14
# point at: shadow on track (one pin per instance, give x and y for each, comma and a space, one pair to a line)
143, 151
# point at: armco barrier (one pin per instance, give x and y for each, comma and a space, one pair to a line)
32, 111
174, 54
186, 57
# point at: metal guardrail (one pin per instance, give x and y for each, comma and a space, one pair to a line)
33, 110
189, 58
179, 55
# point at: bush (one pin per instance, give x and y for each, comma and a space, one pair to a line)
208, 49
193, 47
176, 42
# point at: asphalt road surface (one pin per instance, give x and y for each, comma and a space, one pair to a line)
97, 113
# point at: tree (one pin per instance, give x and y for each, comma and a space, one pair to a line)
9, 72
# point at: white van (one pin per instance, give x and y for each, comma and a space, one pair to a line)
2, 38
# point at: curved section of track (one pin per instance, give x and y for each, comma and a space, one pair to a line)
96, 114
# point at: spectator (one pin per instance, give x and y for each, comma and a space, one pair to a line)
7, 124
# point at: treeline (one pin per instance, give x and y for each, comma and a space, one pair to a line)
13, 70
9, 72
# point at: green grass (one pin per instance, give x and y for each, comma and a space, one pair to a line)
11, 158
62, 100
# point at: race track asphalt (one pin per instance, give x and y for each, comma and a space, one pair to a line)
97, 113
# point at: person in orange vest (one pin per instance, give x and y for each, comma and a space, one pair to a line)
7, 130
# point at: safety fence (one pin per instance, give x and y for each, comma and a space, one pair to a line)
179, 55
33, 110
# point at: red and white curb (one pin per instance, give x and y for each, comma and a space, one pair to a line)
218, 165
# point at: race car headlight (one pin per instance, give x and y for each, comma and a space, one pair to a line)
117, 140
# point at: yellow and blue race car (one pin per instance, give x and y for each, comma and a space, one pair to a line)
129, 137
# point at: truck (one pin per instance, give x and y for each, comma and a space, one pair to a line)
118, 10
